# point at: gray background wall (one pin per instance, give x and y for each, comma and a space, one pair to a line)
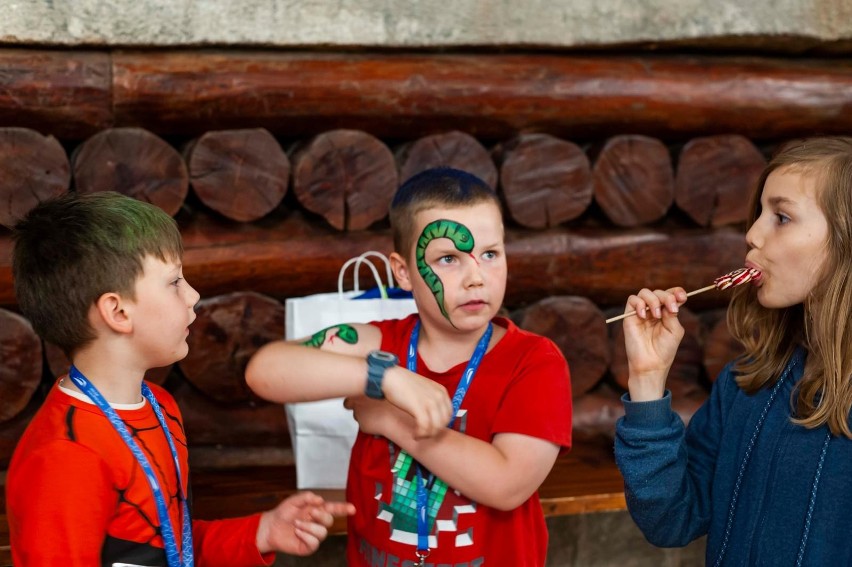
776, 24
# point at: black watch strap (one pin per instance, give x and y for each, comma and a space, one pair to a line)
378, 361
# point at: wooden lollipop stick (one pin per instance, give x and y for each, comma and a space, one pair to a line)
690, 294
731, 279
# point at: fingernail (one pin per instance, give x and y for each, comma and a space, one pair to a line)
658, 312
673, 307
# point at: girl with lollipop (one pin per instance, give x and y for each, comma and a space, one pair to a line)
765, 466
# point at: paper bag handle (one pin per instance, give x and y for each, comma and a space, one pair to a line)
364, 259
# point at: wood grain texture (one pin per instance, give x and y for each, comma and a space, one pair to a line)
242, 174
577, 327
633, 180
454, 149
294, 257
67, 94
716, 177
134, 162
33, 168
227, 331
20, 364
347, 177
400, 96
544, 180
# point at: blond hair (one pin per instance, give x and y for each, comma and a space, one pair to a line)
823, 322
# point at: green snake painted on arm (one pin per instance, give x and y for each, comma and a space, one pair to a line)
346, 333
441, 228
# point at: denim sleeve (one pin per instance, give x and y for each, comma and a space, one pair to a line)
667, 468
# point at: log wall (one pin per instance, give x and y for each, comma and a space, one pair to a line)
616, 173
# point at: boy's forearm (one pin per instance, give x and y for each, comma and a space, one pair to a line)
502, 475
287, 372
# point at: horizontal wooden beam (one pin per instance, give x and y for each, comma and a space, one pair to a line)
67, 94
489, 96
73, 94
297, 256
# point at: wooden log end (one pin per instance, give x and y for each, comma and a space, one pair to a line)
454, 149
577, 327
33, 168
228, 330
21, 365
346, 176
544, 180
134, 162
716, 176
241, 174
634, 180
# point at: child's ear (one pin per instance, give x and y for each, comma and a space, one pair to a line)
400, 271
110, 309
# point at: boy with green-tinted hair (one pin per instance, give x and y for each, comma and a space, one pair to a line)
427, 493
100, 476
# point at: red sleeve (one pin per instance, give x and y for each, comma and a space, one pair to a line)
538, 402
59, 503
228, 543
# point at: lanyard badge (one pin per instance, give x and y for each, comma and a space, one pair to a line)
423, 483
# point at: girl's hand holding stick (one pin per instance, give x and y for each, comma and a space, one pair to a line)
731, 279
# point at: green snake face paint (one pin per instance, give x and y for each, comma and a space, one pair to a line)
346, 333
463, 241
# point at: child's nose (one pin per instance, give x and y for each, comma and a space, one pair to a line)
474, 272
754, 237
192, 296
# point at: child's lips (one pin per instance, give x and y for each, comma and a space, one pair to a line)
758, 279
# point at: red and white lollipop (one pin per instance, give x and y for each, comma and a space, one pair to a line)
731, 279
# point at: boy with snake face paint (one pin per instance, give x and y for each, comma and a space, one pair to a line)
425, 492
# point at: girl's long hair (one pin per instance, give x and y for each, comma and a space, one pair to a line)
823, 322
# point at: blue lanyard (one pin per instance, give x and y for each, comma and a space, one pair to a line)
461, 390
172, 555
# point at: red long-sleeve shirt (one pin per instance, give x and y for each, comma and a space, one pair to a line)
77, 497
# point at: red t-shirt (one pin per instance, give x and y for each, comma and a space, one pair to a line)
522, 386
77, 497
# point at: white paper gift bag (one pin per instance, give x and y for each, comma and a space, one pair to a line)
322, 433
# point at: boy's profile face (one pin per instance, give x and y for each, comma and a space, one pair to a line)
162, 312
457, 270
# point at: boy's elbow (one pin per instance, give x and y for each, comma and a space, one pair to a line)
507, 500
256, 377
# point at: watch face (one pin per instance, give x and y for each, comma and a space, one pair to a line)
384, 356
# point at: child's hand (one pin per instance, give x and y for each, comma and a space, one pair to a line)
298, 524
426, 401
651, 339
374, 417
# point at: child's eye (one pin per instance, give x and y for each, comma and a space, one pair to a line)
489, 255
177, 282
782, 218
446, 259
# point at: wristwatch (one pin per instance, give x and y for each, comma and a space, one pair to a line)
378, 361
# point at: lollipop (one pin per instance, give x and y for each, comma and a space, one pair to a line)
731, 279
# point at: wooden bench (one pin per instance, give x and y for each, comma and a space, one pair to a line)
583, 480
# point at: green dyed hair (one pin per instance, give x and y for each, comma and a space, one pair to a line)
72, 249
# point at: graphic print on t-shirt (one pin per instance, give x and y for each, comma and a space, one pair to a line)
445, 506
